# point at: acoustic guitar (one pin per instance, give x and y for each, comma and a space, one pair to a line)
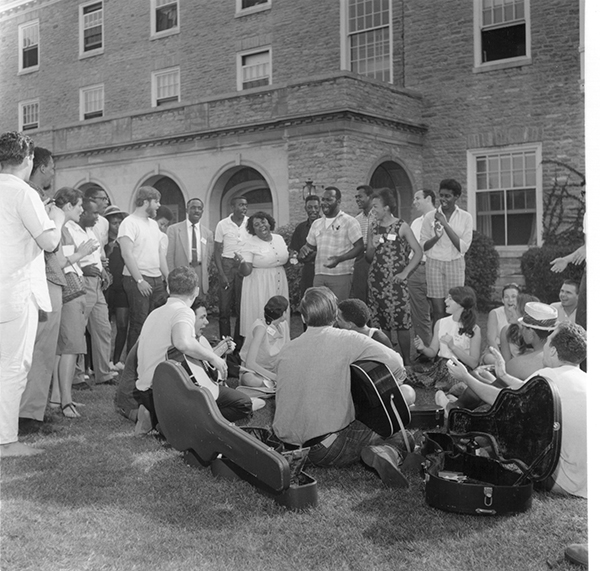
378, 400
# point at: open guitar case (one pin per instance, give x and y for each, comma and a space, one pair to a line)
192, 423
486, 463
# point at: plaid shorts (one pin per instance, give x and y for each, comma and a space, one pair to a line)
442, 275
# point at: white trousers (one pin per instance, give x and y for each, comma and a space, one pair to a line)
16, 351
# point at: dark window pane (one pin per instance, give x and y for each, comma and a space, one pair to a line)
250, 3
164, 100
29, 127
30, 57
521, 229
503, 43
256, 83
92, 38
93, 114
166, 18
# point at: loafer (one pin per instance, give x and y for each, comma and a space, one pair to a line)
384, 460
577, 553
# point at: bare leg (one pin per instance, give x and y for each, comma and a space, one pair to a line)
404, 344
66, 371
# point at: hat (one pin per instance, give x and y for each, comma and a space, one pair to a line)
112, 210
539, 316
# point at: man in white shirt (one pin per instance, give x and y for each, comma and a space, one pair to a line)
360, 288
569, 297
99, 196
145, 268
230, 235
26, 229
191, 243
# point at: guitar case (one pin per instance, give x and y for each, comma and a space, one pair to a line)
487, 462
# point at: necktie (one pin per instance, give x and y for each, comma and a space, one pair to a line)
194, 246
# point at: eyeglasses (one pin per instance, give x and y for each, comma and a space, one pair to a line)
100, 198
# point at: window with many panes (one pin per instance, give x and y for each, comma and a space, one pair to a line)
165, 86
164, 17
254, 69
251, 6
369, 38
91, 28
506, 187
29, 115
29, 46
91, 102
501, 33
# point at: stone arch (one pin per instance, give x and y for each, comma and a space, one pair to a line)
171, 194
391, 173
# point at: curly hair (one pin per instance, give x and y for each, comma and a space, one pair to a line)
15, 147
67, 195
387, 198
465, 297
182, 281
355, 311
570, 342
260, 216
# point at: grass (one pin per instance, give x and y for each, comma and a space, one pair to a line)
101, 499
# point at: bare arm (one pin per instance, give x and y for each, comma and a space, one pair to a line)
471, 359
408, 235
492, 329
357, 248
126, 244
183, 339
49, 239
434, 347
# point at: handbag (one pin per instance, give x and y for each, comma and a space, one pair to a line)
74, 287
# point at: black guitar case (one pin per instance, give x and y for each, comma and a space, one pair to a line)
486, 462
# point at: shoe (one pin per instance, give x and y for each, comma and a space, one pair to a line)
257, 404
119, 366
385, 459
577, 553
83, 386
397, 441
69, 411
111, 379
441, 399
144, 421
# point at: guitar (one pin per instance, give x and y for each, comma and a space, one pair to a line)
198, 375
378, 400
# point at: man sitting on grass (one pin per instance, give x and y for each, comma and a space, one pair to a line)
564, 350
353, 314
173, 325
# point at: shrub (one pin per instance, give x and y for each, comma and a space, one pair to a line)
481, 272
293, 273
539, 279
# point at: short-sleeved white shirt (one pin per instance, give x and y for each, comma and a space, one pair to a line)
231, 236
80, 236
101, 231
146, 237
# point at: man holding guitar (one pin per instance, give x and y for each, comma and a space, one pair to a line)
314, 405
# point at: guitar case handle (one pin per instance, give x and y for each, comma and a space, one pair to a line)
402, 429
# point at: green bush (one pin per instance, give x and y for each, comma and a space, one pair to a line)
539, 279
481, 272
293, 273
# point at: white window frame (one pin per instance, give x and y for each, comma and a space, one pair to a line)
97, 51
82, 100
154, 6
473, 154
239, 11
345, 42
162, 72
240, 67
22, 31
22, 105
479, 64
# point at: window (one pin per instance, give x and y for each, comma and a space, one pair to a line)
243, 7
29, 46
91, 102
29, 112
91, 26
502, 36
164, 18
254, 69
165, 86
369, 38
506, 184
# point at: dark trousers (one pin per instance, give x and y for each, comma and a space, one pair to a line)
140, 306
230, 299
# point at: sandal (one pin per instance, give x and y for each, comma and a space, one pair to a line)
69, 411
54, 405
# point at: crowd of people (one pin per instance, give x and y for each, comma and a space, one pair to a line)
369, 283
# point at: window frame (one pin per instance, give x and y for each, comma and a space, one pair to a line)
23, 27
240, 68
22, 105
481, 66
239, 11
472, 155
96, 51
154, 35
345, 40
155, 75
82, 92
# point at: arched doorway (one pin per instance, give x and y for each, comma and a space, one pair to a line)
170, 195
249, 183
391, 175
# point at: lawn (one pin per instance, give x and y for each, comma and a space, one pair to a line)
100, 498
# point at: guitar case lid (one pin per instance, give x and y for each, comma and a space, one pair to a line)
525, 426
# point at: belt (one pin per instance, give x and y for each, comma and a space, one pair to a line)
309, 443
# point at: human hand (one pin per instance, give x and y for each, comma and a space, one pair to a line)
400, 278
447, 339
332, 262
87, 247
304, 251
483, 374
578, 256
145, 288
220, 365
91, 271
55, 214
457, 370
419, 345
559, 265
107, 279
499, 362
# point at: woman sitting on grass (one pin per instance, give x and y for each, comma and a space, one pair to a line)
500, 317
268, 335
457, 335
512, 343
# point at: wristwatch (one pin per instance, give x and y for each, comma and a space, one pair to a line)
140, 280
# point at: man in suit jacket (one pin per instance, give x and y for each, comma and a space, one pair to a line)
191, 244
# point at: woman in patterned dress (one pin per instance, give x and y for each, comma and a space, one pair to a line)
390, 242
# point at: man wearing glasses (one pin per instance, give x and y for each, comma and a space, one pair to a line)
101, 199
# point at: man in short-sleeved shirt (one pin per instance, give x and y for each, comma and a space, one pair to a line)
337, 238
312, 207
569, 297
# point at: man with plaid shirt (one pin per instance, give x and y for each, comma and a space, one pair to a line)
337, 238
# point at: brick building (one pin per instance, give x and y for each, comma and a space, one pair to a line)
255, 97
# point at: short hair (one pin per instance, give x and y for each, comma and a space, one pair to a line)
451, 185
428, 192
262, 216
387, 198
91, 191
312, 197
572, 283
570, 342
187, 204
275, 308
164, 212
338, 194
41, 157
198, 303
15, 147
366, 189
355, 311
512, 285
146, 193
182, 281
236, 198
318, 306
67, 195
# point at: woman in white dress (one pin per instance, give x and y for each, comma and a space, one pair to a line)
500, 317
263, 257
